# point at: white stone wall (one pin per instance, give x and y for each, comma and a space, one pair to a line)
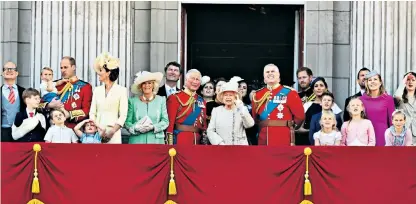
82, 30
383, 38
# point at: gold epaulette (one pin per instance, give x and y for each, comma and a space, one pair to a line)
289, 87
42, 105
76, 113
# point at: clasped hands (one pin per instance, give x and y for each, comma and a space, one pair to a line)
144, 125
143, 128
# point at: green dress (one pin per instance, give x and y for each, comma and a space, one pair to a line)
156, 110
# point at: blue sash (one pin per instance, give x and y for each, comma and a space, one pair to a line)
190, 120
271, 105
76, 88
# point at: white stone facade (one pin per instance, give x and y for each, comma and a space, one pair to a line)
340, 38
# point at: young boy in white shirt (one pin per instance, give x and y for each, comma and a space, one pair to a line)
58, 132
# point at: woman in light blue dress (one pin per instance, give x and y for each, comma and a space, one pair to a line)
147, 117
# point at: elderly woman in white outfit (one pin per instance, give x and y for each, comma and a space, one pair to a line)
229, 121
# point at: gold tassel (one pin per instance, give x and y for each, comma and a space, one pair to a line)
170, 202
306, 202
35, 183
172, 185
307, 188
35, 201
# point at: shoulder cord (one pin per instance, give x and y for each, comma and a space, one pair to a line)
260, 102
190, 101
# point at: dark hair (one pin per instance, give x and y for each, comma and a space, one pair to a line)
176, 64
319, 79
404, 96
55, 110
362, 69
113, 73
304, 69
246, 99
71, 60
219, 79
199, 91
330, 95
29, 92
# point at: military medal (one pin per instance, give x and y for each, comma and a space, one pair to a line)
74, 105
280, 115
76, 96
280, 107
283, 99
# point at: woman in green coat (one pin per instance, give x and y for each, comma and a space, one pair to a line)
147, 117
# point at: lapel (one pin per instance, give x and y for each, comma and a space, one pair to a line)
358, 94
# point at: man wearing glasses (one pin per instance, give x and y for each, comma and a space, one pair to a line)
11, 102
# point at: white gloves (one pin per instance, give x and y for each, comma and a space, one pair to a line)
143, 128
41, 119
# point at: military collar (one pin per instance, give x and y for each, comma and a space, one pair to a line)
189, 92
273, 87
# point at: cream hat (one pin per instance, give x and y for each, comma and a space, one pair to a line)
204, 80
106, 59
231, 86
144, 76
236, 79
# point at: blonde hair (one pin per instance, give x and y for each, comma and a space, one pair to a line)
155, 87
362, 114
46, 68
381, 90
330, 114
398, 112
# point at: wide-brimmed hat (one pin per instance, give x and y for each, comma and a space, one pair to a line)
144, 76
231, 86
106, 59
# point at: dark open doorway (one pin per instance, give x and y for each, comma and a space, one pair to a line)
239, 40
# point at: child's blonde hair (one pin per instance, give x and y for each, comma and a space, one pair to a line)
46, 68
330, 114
362, 114
398, 112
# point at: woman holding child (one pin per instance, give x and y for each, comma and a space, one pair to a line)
147, 116
109, 101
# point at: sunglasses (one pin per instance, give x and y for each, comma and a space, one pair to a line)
9, 69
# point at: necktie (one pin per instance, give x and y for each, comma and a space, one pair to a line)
31, 114
171, 91
12, 97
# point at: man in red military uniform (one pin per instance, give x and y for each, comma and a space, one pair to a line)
187, 113
75, 95
276, 109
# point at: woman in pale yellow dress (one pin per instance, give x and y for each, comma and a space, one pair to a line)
109, 101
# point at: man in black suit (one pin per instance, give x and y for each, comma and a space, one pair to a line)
12, 102
173, 72
360, 81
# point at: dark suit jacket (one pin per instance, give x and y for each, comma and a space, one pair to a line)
22, 103
346, 114
162, 91
35, 135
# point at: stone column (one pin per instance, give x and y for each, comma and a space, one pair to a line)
163, 34
15, 37
327, 44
